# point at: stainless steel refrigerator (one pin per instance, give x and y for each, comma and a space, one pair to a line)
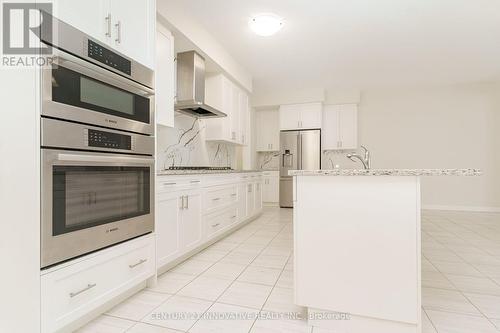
299, 150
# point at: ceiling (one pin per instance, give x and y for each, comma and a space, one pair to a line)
360, 43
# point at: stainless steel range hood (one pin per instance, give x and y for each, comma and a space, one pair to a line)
191, 87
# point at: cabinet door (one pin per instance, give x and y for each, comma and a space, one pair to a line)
191, 226
250, 199
330, 132
311, 115
134, 29
266, 190
164, 78
235, 114
167, 228
89, 16
348, 119
262, 132
289, 117
242, 202
258, 197
273, 188
243, 117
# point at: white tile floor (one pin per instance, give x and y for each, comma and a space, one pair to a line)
249, 275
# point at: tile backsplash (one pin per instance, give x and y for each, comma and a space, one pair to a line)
185, 145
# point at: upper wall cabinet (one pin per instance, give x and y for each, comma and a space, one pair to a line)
267, 128
165, 77
127, 26
223, 94
300, 116
340, 128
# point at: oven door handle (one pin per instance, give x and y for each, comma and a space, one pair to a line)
87, 68
104, 159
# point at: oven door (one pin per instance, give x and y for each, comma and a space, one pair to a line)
77, 90
93, 200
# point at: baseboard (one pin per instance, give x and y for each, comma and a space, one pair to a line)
486, 209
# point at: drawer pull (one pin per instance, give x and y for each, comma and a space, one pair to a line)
142, 261
169, 184
215, 225
216, 199
233, 217
89, 286
194, 181
233, 195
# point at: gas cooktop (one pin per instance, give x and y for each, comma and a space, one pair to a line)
198, 168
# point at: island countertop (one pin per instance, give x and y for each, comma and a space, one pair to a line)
387, 172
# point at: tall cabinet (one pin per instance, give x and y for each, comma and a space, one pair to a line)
165, 77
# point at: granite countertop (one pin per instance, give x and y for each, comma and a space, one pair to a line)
387, 172
201, 172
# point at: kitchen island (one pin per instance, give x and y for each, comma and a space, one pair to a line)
357, 247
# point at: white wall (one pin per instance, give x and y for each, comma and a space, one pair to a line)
438, 127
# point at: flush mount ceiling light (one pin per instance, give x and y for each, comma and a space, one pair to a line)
266, 24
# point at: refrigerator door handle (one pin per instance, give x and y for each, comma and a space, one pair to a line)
299, 151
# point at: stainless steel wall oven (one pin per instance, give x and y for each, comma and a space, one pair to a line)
97, 148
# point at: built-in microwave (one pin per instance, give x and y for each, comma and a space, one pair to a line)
90, 83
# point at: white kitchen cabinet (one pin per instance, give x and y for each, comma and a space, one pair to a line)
178, 225
125, 25
244, 117
242, 201
258, 196
191, 223
134, 29
89, 16
250, 199
168, 216
223, 94
340, 127
270, 191
72, 290
268, 130
165, 82
301, 116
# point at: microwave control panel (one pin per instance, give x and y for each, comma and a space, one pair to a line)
102, 139
109, 58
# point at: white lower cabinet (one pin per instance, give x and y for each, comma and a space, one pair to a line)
71, 291
191, 212
271, 190
179, 226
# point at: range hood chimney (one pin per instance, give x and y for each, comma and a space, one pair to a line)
191, 87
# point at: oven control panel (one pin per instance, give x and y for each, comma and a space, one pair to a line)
102, 139
108, 57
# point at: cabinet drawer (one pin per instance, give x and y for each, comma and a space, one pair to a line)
219, 221
166, 184
220, 197
71, 292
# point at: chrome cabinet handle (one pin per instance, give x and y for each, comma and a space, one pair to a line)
142, 261
233, 195
187, 201
108, 25
181, 202
118, 26
194, 181
169, 184
88, 287
215, 225
233, 217
215, 199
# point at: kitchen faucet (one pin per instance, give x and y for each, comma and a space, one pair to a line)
366, 160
